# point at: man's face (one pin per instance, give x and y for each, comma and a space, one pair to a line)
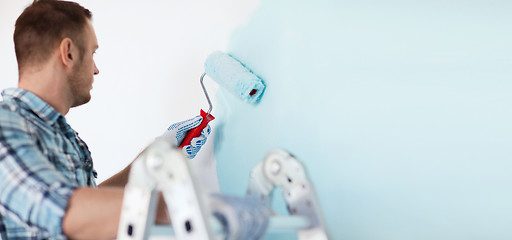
83, 72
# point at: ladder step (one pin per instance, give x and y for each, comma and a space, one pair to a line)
277, 224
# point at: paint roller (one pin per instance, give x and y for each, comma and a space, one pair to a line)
233, 76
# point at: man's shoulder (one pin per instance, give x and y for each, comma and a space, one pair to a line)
12, 117
16, 128
9, 110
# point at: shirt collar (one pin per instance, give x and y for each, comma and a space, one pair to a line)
33, 103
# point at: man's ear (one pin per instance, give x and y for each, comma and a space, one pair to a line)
67, 52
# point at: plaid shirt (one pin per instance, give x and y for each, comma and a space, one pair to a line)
42, 162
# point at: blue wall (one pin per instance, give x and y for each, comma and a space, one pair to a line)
401, 111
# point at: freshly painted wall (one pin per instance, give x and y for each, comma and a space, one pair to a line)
400, 110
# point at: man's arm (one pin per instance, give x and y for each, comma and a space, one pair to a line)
94, 213
120, 179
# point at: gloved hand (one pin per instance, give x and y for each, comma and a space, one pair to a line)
178, 131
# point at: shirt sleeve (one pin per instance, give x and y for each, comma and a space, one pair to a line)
32, 191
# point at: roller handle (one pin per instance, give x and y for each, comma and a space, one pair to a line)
196, 132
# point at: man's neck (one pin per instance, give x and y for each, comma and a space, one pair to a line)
48, 83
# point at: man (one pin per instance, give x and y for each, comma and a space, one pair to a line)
47, 180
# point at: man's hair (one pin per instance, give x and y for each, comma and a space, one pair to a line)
43, 25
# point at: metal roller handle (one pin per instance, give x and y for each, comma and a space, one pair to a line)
206, 94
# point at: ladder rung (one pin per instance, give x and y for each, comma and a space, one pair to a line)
277, 224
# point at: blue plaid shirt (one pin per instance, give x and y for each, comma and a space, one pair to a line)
42, 162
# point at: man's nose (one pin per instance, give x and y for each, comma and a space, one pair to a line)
96, 71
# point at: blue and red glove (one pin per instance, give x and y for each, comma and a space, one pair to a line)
178, 131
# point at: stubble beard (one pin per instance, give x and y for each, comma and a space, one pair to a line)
79, 86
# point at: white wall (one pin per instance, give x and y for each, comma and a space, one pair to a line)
150, 59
